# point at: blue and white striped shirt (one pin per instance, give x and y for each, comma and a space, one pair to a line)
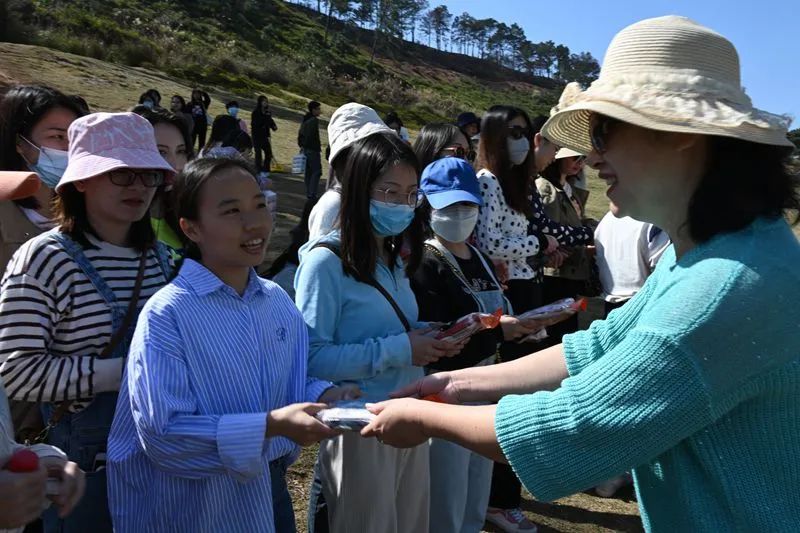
187, 450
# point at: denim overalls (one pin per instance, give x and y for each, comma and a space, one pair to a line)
83, 436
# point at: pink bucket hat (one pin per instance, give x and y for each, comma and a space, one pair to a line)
102, 142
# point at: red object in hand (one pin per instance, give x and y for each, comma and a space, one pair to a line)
23, 461
434, 398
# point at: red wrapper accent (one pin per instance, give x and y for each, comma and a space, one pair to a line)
469, 325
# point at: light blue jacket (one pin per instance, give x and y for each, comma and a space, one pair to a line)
355, 335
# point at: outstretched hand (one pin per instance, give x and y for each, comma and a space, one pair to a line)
440, 384
297, 422
398, 423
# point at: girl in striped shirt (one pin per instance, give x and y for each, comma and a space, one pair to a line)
66, 292
216, 398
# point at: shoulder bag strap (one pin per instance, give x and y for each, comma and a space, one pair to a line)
373, 283
116, 338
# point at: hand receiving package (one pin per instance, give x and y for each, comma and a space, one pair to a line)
346, 415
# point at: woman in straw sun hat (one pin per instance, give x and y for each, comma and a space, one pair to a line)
694, 384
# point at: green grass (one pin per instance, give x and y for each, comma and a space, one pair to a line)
274, 47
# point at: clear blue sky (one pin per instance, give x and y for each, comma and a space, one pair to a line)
765, 32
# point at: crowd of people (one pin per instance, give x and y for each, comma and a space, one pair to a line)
166, 386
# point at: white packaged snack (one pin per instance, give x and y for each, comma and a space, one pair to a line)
348, 415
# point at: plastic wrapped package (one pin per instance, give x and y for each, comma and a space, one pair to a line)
467, 326
554, 313
561, 308
347, 415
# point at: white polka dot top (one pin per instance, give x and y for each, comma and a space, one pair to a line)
503, 233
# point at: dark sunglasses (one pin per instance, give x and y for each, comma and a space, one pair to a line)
600, 131
518, 132
126, 177
455, 151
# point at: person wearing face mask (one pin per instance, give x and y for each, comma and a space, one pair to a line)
70, 296
505, 233
33, 137
455, 279
353, 290
233, 108
151, 99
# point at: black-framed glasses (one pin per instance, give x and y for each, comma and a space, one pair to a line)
518, 132
455, 151
600, 131
126, 177
388, 196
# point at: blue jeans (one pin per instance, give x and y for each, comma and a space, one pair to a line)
317, 508
83, 435
281, 499
460, 483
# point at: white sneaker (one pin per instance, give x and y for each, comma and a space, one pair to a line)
510, 520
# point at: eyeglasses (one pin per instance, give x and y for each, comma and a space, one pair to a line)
600, 131
455, 151
388, 196
518, 132
126, 177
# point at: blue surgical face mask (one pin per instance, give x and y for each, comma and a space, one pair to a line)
51, 164
390, 219
148, 104
233, 111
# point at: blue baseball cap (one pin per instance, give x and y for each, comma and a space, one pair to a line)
448, 181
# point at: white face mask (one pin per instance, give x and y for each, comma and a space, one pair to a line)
518, 149
454, 223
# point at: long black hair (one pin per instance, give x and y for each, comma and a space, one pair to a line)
432, 139
515, 180
743, 181
162, 116
22, 107
189, 186
182, 100
369, 159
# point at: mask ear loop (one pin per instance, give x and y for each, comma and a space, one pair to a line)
38, 149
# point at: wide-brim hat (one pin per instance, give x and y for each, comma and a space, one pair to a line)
102, 142
16, 185
667, 74
351, 123
566, 152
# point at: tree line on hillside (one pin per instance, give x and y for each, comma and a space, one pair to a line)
506, 45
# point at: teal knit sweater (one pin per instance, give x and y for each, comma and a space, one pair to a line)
694, 385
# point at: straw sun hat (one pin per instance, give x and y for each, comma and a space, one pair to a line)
668, 74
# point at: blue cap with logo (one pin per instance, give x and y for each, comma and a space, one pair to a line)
448, 181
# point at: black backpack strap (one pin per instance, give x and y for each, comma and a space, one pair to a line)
373, 283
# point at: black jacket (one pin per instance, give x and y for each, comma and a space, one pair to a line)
441, 298
262, 124
308, 136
